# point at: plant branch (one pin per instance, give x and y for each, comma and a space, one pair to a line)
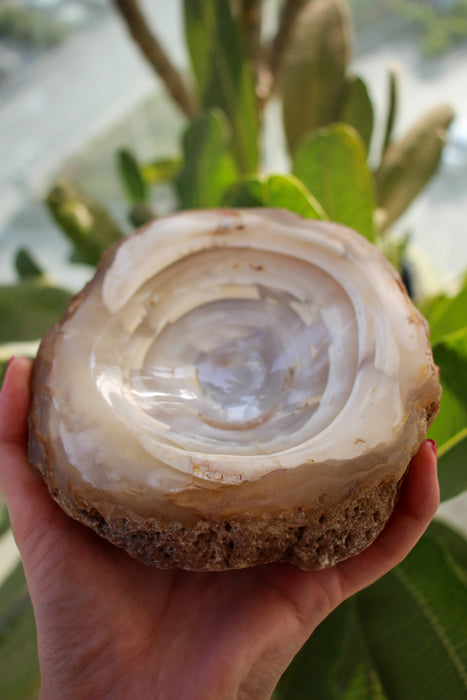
152, 50
250, 23
290, 11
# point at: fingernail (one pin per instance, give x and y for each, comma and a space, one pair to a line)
9, 363
432, 444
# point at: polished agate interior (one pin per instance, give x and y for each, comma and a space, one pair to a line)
221, 346
229, 355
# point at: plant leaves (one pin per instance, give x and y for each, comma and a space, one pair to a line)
428, 306
454, 544
85, 222
392, 109
334, 664
19, 667
26, 266
161, 170
132, 177
358, 678
4, 517
223, 74
450, 421
3, 366
208, 168
29, 309
450, 354
399, 639
136, 189
409, 163
414, 621
140, 214
288, 192
357, 109
447, 314
283, 191
365, 684
331, 163
452, 466
315, 63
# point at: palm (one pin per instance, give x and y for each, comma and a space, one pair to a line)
110, 625
110, 607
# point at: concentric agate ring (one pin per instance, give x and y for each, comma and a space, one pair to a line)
234, 387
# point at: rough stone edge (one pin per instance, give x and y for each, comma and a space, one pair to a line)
311, 539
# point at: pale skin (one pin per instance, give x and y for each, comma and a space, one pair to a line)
110, 627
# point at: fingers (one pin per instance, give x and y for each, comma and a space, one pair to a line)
14, 401
418, 502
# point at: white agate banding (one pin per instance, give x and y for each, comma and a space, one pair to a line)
232, 362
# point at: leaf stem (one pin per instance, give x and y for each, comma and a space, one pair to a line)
289, 14
250, 23
154, 53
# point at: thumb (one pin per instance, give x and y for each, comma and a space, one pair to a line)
28, 502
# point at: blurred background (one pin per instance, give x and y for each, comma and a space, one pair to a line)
74, 88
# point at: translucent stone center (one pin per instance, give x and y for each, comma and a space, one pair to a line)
238, 375
233, 365
233, 374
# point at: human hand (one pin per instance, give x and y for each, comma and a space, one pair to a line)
111, 627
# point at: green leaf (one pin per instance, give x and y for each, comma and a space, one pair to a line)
335, 663
85, 222
283, 191
162, 170
451, 419
29, 309
358, 678
247, 192
447, 314
288, 192
450, 354
223, 74
4, 518
453, 466
132, 177
26, 265
364, 685
414, 621
428, 306
331, 163
313, 76
395, 250
357, 109
409, 163
140, 214
454, 544
3, 366
392, 109
208, 168
19, 667
401, 638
